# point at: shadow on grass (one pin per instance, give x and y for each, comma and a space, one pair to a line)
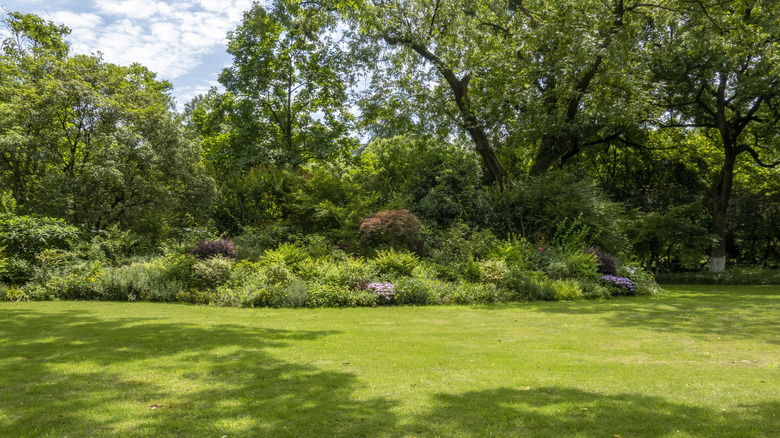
743, 312
556, 412
81, 375
78, 374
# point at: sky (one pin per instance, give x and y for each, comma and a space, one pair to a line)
183, 41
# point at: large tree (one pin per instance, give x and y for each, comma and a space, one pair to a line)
92, 142
531, 82
285, 98
718, 67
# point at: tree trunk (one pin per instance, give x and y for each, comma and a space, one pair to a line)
550, 151
721, 193
459, 88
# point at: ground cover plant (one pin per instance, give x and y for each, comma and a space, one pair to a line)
695, 361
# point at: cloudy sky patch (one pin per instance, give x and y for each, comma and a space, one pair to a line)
183, 41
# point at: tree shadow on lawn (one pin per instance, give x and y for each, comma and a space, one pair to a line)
251, 392
745, 312
218, 390
560, 412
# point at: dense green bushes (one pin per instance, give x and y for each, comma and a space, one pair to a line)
459, 268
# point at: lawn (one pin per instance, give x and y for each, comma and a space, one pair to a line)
698, 361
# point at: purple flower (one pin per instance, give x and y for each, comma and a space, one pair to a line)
386, 290
621, 282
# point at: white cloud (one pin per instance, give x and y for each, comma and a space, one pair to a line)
168, 37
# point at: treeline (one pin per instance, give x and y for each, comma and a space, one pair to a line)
646, 130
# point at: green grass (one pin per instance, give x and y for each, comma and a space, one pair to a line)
698, 361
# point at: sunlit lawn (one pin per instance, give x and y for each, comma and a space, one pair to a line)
696, 361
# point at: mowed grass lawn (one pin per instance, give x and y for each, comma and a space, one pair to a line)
698, 361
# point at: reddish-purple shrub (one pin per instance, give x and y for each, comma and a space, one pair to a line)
605, 262
211, 248
396, 228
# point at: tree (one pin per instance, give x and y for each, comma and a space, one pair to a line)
546, 78
286, 93
718, 67
91, 142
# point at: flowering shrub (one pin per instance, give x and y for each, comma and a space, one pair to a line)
644, 281
385, 291
621, 285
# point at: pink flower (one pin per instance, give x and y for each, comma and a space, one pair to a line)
540, 248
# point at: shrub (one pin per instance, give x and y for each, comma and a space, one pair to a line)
582, 265
542, 207
346, 273
561, 263
416, 290
566, 290
619, 285
516, 250
557, 270
157, 279
76, 282
594, 290
112, 246
395, 263
750, 275
455, 245
644, 281
212, 272
212, 248
395, 228
26, 236
252, 243
386, 293
468, 293
494, 272
287, 254
529, 285
17, 270
328, 295
606, 263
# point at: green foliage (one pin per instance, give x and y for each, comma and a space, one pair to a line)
515, 250
455, 245
212, 272
468, 293
643, 280
740, 276
566, 290
564, 210
290, 255
418, 290
253, 242
156, 279
438, 181
91, 142
392, 263
286, 92
494, 272
330, 295
26, 236
664, 240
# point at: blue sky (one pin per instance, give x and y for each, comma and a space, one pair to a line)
183, 41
